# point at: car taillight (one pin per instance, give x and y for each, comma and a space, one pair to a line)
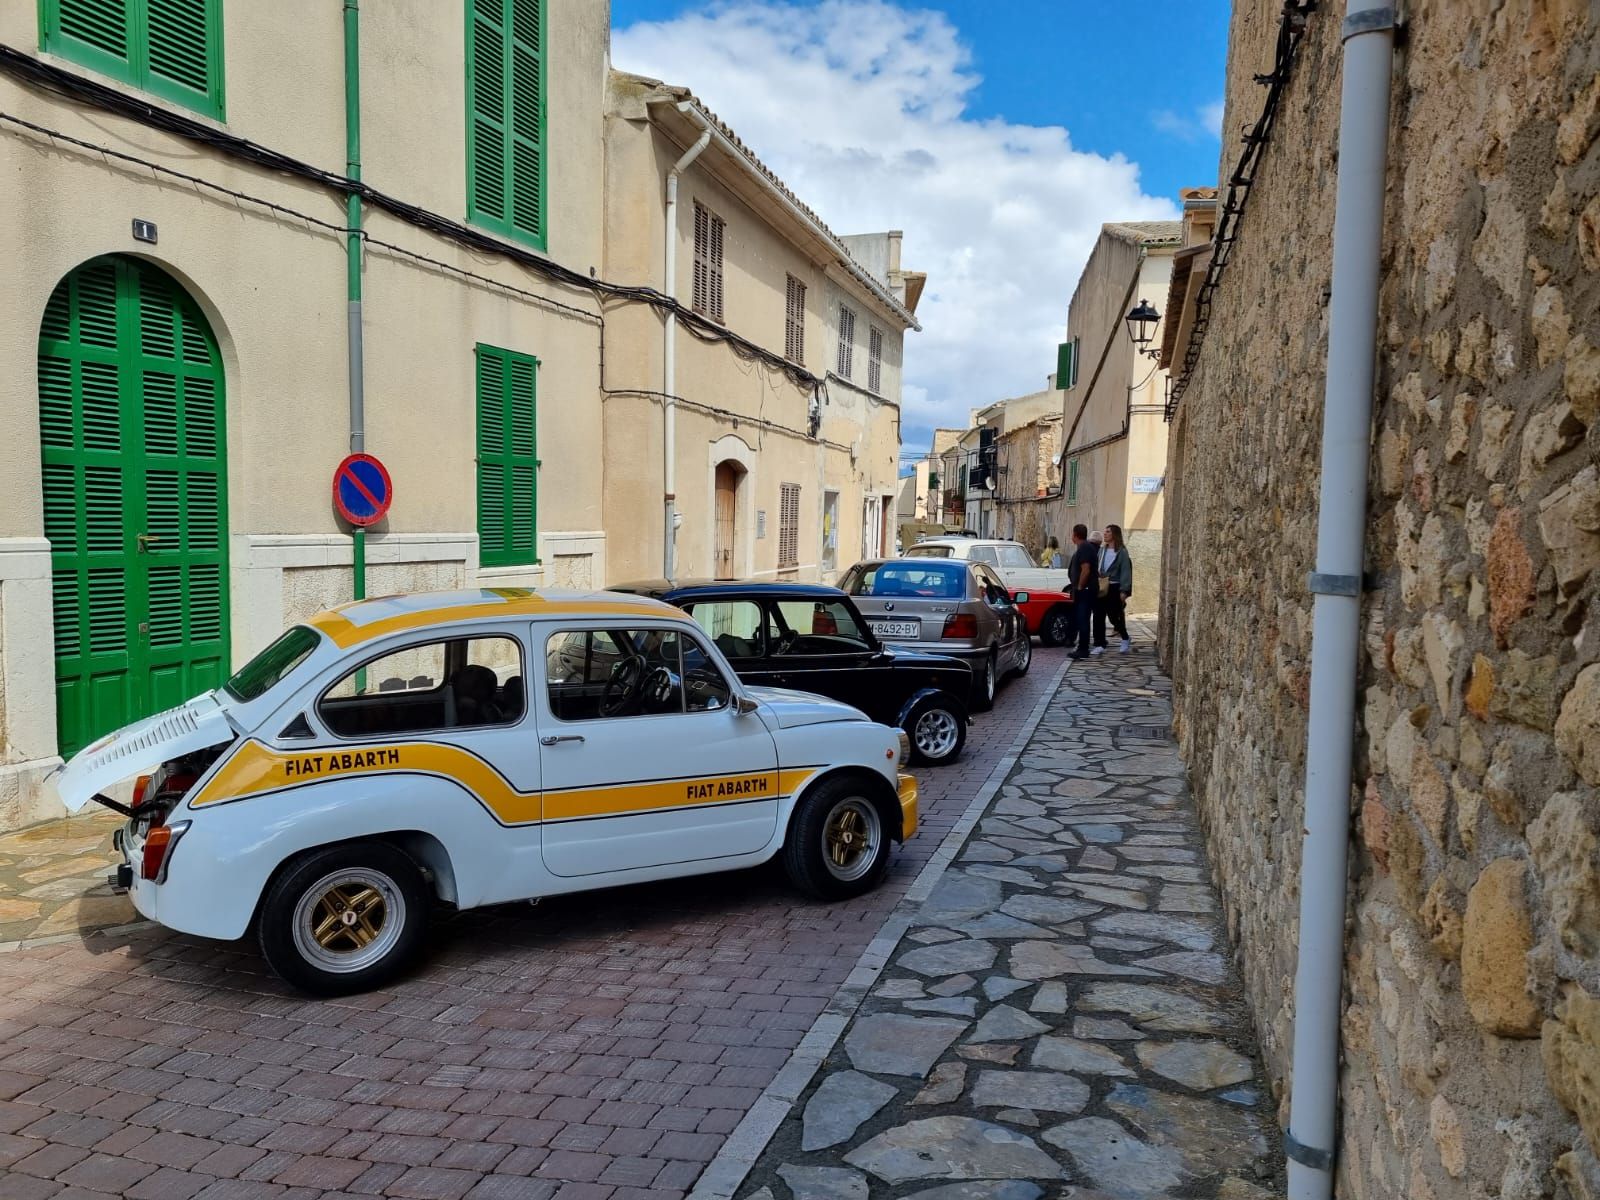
823, 625
140, 786
960, 625
158, 845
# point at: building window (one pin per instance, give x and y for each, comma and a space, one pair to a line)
847, 341
874, 359
169, 48
794, 323
506, 139
508, 463
708, 229
789, 525
1072, 482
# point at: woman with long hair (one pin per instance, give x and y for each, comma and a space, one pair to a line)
1116, 585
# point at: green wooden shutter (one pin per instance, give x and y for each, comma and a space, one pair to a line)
170, 48
1064, 364
130, 416
508, 463
506, 139
1072, 482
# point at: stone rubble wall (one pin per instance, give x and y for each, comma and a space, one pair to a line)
1472, 1029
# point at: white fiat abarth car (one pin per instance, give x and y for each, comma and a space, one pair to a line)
474, 748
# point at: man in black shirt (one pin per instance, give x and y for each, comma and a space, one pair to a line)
1085, 569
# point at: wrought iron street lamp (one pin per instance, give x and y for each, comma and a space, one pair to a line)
1142, 322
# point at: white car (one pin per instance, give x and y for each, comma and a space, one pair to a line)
473, 748
1010, 559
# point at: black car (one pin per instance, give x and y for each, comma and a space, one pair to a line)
812, 638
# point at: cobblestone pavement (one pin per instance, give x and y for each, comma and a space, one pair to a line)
597, 1047
1062, 1016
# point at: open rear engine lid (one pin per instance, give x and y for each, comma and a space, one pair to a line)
140, 748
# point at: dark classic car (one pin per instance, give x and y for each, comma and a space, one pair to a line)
812, 638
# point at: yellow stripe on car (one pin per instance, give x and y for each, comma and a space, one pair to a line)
344, 632
256, 769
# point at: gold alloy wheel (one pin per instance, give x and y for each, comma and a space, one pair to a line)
851, 837
348, 917
349, 920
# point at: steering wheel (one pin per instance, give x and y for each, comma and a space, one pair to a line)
623, 685
787, 640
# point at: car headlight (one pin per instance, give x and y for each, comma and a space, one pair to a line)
905, 747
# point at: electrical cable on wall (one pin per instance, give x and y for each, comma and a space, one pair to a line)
50, 78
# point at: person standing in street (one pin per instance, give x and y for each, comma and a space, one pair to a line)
1085, 586
1052, 553
1115, 586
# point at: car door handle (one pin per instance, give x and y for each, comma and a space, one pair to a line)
554, 739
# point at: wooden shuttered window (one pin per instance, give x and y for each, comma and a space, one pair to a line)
788, 526
1072, 481
794, 323
506, 136
169, 48
508, 462
708, 231
847, 341
874, 359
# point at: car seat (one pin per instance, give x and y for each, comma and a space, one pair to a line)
474, 687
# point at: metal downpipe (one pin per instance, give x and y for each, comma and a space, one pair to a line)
1312, 1139
669, 351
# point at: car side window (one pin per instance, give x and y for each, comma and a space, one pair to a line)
735, 626
984, 554
596, 674
805, 627
1014, 556
459, 683
992, 587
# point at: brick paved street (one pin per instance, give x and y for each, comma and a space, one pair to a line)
597, 1047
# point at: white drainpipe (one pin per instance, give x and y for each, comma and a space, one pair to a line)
1368, 37
669, 350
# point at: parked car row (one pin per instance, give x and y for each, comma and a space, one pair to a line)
460, 749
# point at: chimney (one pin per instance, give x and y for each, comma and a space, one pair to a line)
896, 280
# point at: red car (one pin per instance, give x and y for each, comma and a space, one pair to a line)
1049, 615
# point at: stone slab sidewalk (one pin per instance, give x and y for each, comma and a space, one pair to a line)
53, 878
1062, 1016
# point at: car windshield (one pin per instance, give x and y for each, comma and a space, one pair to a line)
933, 580
267, 669
928, 552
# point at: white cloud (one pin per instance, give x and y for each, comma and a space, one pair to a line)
860, 106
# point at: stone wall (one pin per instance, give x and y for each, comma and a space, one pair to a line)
1472, 1028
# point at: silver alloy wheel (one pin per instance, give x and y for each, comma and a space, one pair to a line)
851, 834
989, 679
349, 919
1025, 655
935, 733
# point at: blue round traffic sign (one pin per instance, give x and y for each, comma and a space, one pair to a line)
361, 489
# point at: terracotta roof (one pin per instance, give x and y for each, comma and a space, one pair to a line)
675, 93
1145, 233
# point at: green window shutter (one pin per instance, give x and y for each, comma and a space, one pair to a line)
506, 139
1072, 482
170, 48
1064, 358
508, 462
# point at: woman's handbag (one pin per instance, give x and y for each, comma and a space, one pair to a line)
1105, 586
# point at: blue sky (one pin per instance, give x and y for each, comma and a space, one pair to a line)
998, 134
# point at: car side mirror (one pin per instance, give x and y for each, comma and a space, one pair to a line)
1019, 597
744, 706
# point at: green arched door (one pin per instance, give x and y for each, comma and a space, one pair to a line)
131, 421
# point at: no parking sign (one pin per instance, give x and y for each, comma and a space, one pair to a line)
362, 491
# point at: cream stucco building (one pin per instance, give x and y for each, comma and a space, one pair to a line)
786, 451
1114, 433
190, 323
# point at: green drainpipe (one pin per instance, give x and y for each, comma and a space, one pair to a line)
352, 169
